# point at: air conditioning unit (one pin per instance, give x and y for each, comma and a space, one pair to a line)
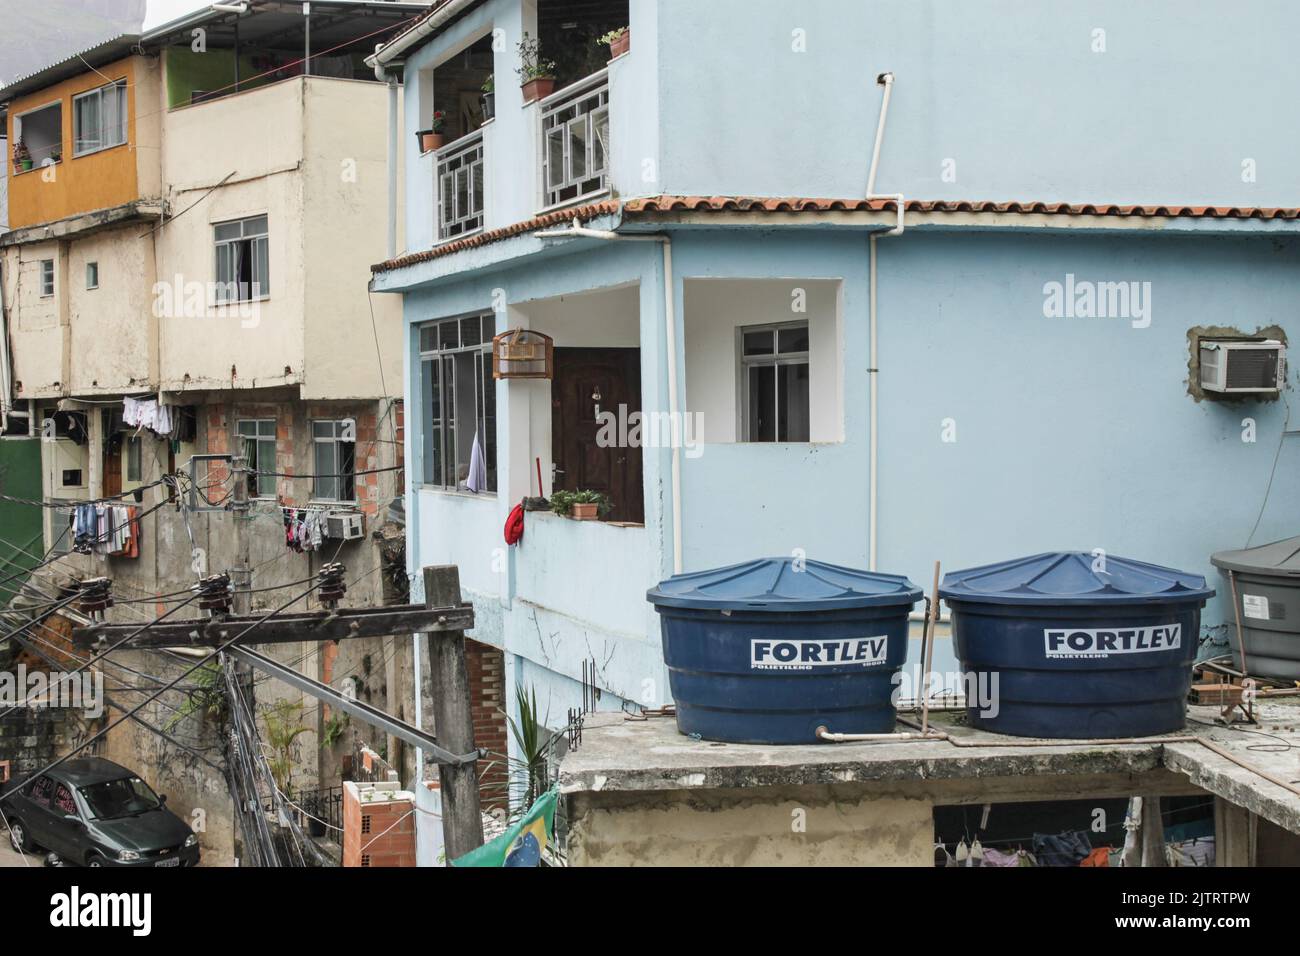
345, 525
1239, 367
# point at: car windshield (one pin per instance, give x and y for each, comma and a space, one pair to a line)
124, 797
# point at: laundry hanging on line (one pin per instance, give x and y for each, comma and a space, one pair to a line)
304, 528
107, 529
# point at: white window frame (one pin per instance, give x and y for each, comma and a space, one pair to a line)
774, 359
259, 288
47, 281
112, 138
92, 267
442, 358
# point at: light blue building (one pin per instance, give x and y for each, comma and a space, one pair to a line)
1003, 365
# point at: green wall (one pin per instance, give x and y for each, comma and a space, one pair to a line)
21, 525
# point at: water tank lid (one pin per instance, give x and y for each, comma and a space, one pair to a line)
1073, 577
1279, 557
785, 585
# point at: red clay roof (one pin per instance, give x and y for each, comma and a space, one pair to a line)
652, 205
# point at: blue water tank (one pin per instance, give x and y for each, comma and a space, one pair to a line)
1076, 645
770, 650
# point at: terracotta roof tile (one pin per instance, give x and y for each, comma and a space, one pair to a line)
651, 205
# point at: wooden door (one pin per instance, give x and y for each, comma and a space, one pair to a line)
588, 381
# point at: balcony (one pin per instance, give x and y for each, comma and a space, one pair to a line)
575, 142
458, 169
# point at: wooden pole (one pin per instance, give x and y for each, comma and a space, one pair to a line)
932, 621
453, 720
1236, 611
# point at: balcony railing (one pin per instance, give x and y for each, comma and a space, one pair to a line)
575, 141
459, 171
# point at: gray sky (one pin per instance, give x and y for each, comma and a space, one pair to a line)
162, 11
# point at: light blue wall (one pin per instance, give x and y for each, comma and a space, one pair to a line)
1009, 89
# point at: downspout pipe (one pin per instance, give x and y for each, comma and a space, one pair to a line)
873, 493
383, 76
578, 230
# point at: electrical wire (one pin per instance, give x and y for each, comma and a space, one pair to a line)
214, 655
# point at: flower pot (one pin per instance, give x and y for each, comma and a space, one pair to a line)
489, 106
429, 140
621, 45
538, 88
25, 164
589, 511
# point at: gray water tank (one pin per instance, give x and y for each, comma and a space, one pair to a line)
1268, 605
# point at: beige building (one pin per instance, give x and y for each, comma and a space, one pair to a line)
186, 271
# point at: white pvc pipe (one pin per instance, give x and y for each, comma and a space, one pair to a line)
670, 334
824, 734
873, 492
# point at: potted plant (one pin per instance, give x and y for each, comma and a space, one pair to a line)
618, 41
22, 158
56, 154
581, 505
536, 75
489, 98
432, 138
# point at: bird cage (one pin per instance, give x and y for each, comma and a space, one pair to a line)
522, 353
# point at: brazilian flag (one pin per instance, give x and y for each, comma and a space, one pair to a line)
523, 843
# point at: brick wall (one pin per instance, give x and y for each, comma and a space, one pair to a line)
486, 666
378, 825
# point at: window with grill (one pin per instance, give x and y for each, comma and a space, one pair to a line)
460, 400
774, 382
99, 119
575, 146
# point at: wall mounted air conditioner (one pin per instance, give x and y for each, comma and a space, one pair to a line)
1237, 367
345, 525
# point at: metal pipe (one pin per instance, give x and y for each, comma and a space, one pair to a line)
824, 734
306, 60
670, 334
873, 494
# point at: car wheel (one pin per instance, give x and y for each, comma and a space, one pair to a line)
94, 859
18, 837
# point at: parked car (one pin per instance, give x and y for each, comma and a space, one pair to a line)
93, 812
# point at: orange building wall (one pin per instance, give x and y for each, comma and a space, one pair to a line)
82, 184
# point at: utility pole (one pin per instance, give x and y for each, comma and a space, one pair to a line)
242, 574
453, 719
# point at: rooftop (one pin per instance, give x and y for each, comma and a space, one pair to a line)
622, 754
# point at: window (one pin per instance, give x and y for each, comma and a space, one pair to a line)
63, 802
774, 382
41, 791
460, 400
99, 119
47, 278
259, 447
133, 451
92, 275
243, 270
335, 460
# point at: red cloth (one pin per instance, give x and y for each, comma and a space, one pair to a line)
515, 524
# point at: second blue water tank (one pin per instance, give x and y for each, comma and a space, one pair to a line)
1076, 645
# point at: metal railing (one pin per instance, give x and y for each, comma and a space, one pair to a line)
458, 169
575, 141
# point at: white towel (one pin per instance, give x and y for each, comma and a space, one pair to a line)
477, 480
